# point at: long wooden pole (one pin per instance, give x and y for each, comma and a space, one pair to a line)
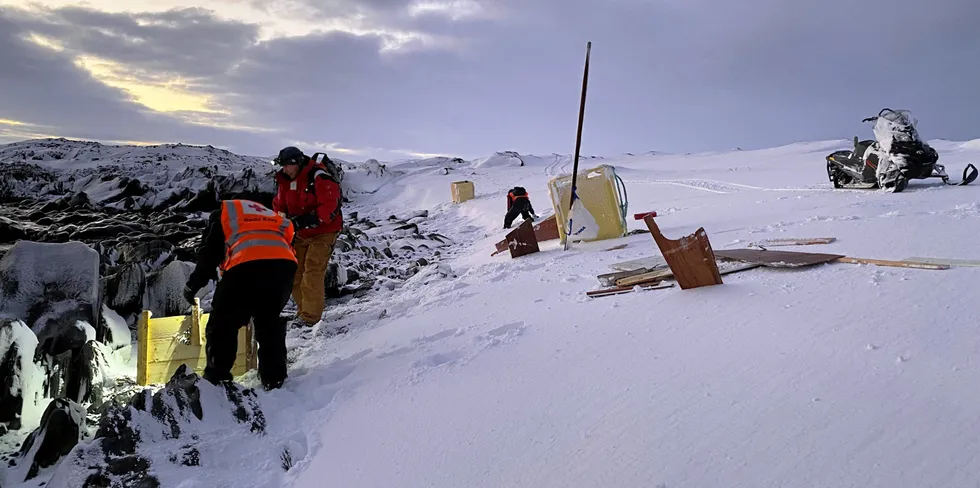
578, 136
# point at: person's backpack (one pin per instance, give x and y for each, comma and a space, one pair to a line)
326, 168
333, 170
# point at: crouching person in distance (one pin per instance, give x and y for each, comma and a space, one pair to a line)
250, 244
518, 203
308, 193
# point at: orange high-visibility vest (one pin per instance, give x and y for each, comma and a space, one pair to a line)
253, 231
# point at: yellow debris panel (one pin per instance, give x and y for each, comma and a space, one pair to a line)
597, 190
167, 342
462, 191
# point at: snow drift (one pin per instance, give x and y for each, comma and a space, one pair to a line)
487, 371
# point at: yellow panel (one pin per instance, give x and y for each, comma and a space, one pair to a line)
165, 343
597, 189
463, 191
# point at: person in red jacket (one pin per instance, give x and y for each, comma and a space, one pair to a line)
310, 197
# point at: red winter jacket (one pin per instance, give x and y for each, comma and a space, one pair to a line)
296, 197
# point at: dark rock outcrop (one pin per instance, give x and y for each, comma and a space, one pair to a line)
17, 371
174, 420
62, 425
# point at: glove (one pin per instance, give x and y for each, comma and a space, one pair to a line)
189, 294
305, 221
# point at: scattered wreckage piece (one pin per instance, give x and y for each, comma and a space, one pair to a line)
777, 259
619, 290
690, 258
792, 241
897, 264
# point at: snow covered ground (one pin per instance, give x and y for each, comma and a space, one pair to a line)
491, 372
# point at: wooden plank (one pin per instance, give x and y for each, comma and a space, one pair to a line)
160, 372
609, 279
777, 259
690, 258
724, 268
897, 264
615, 248
547, 229
648, 262
969, 263
165, 343
791, 241
142, 346
619, 290
655, 275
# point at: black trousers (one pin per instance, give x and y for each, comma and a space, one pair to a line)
256, 290
522, 207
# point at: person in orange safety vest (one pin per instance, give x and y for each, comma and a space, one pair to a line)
251, 246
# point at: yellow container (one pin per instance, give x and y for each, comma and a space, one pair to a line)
597, 189
462, 191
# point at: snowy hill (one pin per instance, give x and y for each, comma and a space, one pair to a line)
157, 177
489, 371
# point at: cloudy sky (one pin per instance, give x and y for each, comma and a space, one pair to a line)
395, 78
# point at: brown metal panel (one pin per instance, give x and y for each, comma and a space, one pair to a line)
521, 241
777, 259
691, 259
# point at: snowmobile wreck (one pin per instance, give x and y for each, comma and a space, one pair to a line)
896, 155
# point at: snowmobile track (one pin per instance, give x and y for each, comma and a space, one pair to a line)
712, 186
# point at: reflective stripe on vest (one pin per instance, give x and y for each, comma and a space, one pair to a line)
253, 231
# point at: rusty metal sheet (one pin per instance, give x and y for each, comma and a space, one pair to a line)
691, 258
777, 259
547, 229
522, 241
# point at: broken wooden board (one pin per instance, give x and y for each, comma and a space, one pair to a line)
609, 279
791, 241
724, 268
966, 263
521, 241
648, 262
690, 258
163, 344
896, 264
619, 290
615, 248
777, 259
545, 230
651, 276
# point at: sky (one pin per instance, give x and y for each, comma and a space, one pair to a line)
395, 79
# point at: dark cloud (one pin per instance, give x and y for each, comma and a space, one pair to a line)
666, 75
43, 88
189, 42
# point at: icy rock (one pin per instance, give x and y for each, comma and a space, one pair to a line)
125, 288
89, 373
62, 425
19, 375
11, 231
165, 427
164, 289
116, 331
51, 287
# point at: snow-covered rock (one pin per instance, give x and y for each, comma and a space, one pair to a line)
83, 174
51, 287
62, 426
20, 378
178, 426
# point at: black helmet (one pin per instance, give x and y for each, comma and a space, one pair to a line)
290, 155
